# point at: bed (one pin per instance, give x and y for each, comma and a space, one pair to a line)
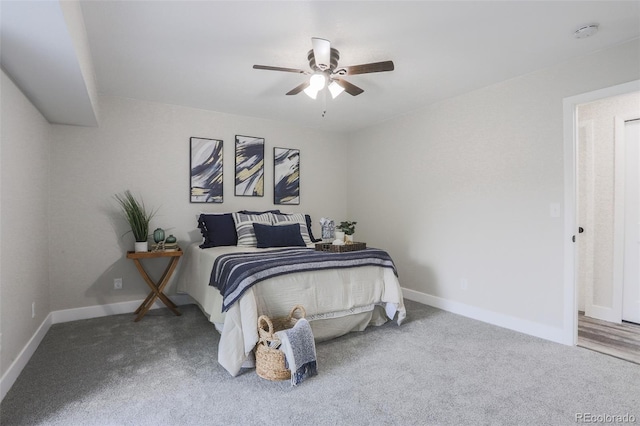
337, 300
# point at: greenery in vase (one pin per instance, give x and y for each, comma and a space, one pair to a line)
136, 214
348, 227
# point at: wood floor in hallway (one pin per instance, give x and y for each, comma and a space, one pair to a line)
618, 340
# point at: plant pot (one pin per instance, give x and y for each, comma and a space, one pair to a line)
348, 238
339, 235
141, 246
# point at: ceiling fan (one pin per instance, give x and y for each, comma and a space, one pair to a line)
323, 61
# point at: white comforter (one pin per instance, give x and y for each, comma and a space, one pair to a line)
336, 301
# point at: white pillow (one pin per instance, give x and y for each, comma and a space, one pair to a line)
244, 227
287, 219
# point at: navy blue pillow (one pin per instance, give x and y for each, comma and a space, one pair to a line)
308, 220
278, 236
217, 230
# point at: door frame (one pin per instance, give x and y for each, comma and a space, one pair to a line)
570, 104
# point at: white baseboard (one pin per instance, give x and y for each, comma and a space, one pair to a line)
506, 321
11, 375
66, 315
97, 311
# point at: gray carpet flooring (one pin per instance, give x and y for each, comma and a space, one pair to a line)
436, 369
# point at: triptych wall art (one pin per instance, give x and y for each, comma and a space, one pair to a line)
249, 166
286, 176
206, 170
206, 164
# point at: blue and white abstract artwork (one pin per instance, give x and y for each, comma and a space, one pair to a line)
249, 166
206, 170
286, 176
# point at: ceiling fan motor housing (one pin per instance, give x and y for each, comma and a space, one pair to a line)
333, 61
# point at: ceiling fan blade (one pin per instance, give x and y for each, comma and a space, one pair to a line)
321, 52
372, 67
298, 88
269, 68
351, 89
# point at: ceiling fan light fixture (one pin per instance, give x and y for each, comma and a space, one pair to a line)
311, 92
335, 89
317, 81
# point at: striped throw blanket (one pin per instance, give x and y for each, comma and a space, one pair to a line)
233, 274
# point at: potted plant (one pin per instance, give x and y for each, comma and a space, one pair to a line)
348, 228
138, 217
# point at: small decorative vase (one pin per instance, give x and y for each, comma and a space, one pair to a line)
339, 235
348, 239
326, 232
141, 246
171, 239
158, 235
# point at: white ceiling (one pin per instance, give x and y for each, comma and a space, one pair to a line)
38, 53
200, 54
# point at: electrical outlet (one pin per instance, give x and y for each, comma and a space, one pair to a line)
33, 309
117, 283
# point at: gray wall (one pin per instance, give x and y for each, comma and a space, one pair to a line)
144, 147
460, 191
24, 221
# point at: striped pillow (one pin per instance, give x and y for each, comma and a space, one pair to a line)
244, 227
297, 218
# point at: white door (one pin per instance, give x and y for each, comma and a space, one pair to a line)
631, 271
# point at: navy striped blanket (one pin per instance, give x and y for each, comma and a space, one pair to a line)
235, 273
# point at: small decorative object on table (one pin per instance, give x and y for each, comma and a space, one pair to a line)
158, 237
349, 228
171, 243
328, 228
270, 363
138, 217
168, 244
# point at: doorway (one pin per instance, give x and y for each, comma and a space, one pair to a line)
607, 192
607, 206
572, 293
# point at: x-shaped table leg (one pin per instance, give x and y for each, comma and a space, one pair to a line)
156, 288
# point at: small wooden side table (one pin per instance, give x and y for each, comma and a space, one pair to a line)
156, 288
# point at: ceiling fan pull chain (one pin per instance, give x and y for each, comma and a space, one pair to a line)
324, 103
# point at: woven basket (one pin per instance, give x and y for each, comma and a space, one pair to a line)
270, 362
340, 249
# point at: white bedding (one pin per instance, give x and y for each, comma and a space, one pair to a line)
336, 301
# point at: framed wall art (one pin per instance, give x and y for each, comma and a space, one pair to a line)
249, 166
206, 170
286, 176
